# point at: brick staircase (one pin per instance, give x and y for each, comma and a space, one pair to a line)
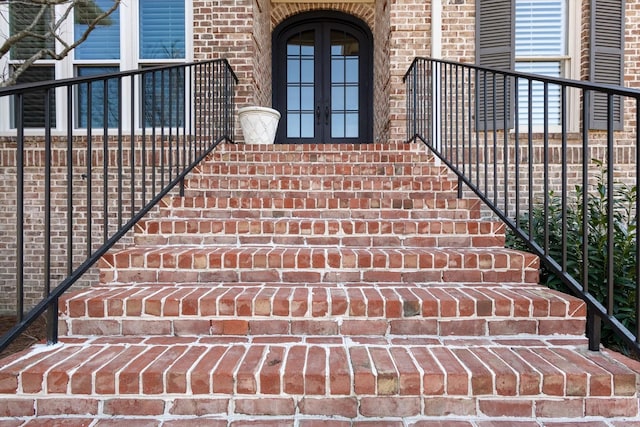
319, 285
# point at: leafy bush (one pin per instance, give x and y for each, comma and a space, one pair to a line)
624, 238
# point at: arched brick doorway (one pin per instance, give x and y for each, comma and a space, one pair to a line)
323, 78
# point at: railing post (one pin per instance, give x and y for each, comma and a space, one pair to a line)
20, 207
594, 329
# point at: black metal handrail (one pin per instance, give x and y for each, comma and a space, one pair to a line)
108, 166
509, 137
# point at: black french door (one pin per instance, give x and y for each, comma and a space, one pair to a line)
322, 80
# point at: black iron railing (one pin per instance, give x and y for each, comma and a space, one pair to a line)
94, 155
556, 160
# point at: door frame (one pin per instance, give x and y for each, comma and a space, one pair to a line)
360, 29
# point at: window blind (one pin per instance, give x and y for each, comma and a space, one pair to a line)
104, 41
98, 98
540, 28
537, 94
162, 29
20, 17
34, 102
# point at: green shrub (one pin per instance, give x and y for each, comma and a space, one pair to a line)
624, 238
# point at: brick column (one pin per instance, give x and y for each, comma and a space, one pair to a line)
410, 24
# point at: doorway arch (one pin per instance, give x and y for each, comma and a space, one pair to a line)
323, 78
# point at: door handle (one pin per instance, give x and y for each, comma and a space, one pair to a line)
326, 114
318, 114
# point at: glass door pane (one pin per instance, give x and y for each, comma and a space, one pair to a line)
301, 79
345, 70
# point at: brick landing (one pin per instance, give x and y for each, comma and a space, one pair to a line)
319, 286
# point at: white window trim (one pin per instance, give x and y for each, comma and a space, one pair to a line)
66, 68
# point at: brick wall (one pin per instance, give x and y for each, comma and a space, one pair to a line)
34, 206
223, 29
381, 71
410, 37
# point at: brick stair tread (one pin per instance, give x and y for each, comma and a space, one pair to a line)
325, 203
368, 226
325, 256
321, 182
365, 300
387, 152
316, 194
348, 309
403, 147
247, 417
526, 370
207, 264
367, 170
305, 231
305, 207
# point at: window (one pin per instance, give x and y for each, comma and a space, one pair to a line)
104, 41
99, 54
99, 91
33, 103
162, 29
162, 40
543, 37
156, 33
22, 16
541, 29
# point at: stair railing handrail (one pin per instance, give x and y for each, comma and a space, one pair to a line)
177, 114
460, 111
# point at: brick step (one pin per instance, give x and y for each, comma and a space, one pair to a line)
346, 309
402, 147
350, 377
302, 419
304, 207
321, 194
320, 158
308, 232
404, 169
317, 265
326, 153
320, 183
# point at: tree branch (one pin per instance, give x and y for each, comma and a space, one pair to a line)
53, 33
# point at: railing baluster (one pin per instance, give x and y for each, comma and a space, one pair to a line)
166, 151
77, 226
564, 189
544, 152
530, 233
19, 103
516, 121
545, 173
89, 198
52, 310
610, 208
70, 199
637, 208
119, 154
105, 160
494, 133
505, 154
132, 143
169, 126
